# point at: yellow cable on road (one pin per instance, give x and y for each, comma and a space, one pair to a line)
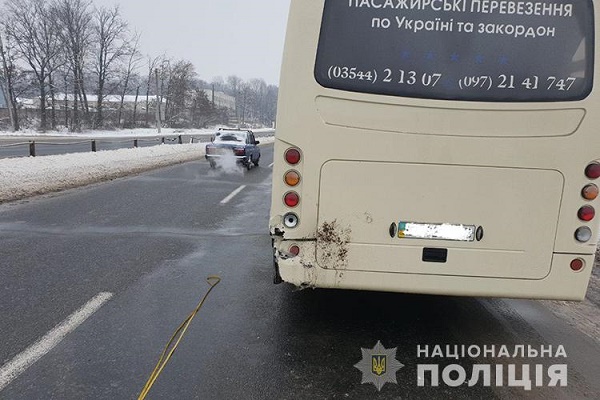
175, 339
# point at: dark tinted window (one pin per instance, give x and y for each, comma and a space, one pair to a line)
474, 50
225, 137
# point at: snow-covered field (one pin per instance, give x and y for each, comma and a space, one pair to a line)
123, 133
25, 177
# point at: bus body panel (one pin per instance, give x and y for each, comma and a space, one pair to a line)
518, 230
474, 123
560, 284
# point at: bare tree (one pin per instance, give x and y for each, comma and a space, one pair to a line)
29, 26
135, 105
109, 32
164, 88
257, 102
133, 64
245, 92
52, 86
75, 20
234, 85
7, 82
271, 104
64, 79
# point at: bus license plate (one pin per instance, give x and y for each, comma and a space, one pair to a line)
414, 230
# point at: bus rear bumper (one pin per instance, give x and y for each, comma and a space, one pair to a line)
560, 284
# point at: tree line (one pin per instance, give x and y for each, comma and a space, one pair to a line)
83, 66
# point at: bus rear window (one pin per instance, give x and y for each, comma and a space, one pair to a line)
469, 50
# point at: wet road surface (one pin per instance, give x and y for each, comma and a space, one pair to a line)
151, 240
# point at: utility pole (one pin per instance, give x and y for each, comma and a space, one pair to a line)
158, 123
213, 95
244, 109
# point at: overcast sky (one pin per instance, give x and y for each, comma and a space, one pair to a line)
221, 37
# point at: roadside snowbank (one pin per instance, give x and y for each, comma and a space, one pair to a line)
124, 133
25, 177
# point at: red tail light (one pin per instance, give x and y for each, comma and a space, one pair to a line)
294, 250
593, 171
209, 150
586, 213
577, 264
239, 152
291, 199
293, 156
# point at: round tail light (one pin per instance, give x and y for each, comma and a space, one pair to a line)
293, 157
292, 178
586, 213
593, 171
295, 250
590, 192
583, 234
577, 264
291, 199
290, 220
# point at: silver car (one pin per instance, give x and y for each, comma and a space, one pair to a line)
240, 144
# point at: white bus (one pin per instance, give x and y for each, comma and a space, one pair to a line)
445, 147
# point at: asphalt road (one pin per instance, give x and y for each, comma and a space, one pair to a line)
151, 240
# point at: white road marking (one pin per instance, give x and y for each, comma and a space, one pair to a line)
233, 194
11, 370
271, 165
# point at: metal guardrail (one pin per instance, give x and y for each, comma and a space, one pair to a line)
96, 143
6, 146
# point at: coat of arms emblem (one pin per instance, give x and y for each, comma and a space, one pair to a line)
379, 366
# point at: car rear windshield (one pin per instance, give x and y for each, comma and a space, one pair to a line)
230, 137
470, 50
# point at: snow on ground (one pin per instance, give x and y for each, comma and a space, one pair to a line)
123, 133
29, 176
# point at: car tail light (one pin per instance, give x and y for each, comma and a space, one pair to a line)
295, 250
593, 171
590, 192
209, 150
583, 234
290, 220
293, 156
586, 213
239, 152
292, 178
577, 264
291, 199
